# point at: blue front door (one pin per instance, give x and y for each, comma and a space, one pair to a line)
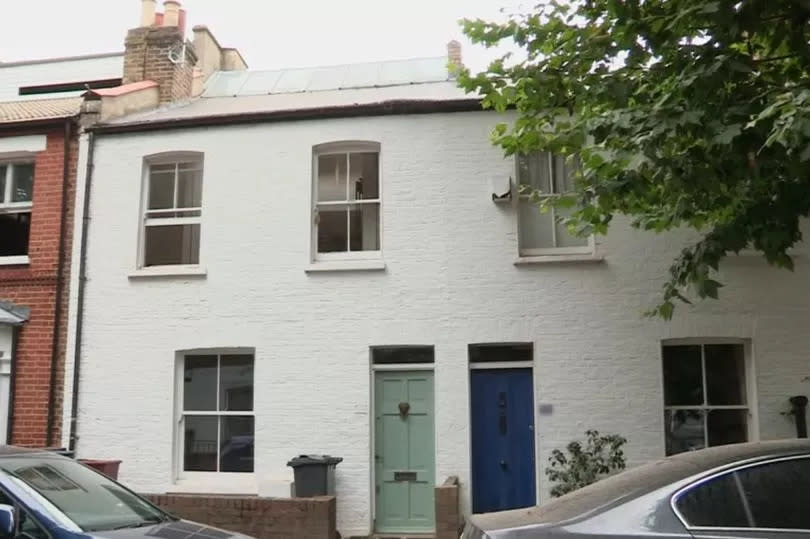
502, 410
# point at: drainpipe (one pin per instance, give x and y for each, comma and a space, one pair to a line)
74, 410
60, 275
799, 411
15, 337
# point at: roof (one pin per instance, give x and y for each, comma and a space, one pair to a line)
340, 77
636, 482
13, 315
74, 69
43, 109
397, 87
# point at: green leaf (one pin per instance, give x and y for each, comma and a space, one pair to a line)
685, 115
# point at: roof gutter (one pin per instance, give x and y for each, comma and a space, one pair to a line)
385, 108
37, 124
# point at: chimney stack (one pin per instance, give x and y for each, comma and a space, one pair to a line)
454, 54
148, 9
171, 13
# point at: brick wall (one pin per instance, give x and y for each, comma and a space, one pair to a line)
35, 286
147, 58
264, 518
448, 510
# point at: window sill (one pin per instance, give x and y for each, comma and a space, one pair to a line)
346, 265
169, 271
588, 258
14, 260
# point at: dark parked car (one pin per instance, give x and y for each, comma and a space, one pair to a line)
759, 490
44, 495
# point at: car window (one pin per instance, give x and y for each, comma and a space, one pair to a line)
778, 494
78, 495
27, 526
30, 529
714, 503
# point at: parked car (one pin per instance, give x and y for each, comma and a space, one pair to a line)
44, 495
755, 490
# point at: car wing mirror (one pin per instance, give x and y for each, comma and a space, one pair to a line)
8, 521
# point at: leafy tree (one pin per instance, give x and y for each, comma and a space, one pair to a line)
581, 466
684, 114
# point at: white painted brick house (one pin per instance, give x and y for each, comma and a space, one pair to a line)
285, 267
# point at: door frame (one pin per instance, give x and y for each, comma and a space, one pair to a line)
391, 367
495, 365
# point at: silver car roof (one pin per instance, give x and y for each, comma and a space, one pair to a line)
637, 482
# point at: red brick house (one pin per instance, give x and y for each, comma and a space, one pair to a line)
38, 150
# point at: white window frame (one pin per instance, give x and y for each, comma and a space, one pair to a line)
7, 207
213, 482
345, 148
545, 251
750, 386
173, 158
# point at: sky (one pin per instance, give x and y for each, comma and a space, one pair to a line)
270, 34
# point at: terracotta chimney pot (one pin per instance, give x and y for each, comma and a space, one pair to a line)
454, 53
148, 8
171, 13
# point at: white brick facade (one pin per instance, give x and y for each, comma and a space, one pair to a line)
450, 280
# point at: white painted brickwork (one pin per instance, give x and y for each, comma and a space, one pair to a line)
450, 281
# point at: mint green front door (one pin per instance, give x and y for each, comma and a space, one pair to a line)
404, 452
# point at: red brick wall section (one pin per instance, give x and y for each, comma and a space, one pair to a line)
34, 286
448, 514
263, 518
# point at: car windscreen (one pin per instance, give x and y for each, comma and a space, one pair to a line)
89, 499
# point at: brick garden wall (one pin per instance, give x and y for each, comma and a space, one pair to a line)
35, 286
448, 511
263, 518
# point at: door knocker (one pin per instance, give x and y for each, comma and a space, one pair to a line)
404, 408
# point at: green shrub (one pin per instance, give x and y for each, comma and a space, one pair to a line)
581, 466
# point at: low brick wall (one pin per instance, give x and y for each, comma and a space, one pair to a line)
263, 518
448, 514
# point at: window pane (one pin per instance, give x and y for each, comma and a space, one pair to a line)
778, 494
332, 175
161, 189
333, 229
535, 227
200, 383
684, 431
565, 238
402, 354
236, 383
189, 188
15, 229
365, 176
200, 452
169, 245
3, 170
237, 444
727, 427
365, 227
725, 373
683, 378
564, 171
534, 170
716, 503
22, 183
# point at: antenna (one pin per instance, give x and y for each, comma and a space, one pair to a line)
177, 54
